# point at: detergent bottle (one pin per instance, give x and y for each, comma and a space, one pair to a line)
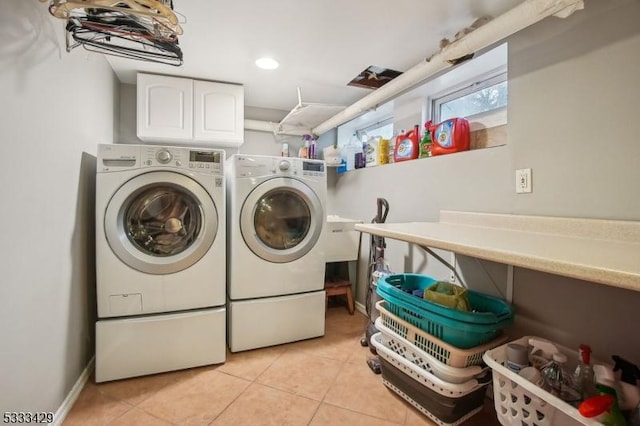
407, 145
450, 136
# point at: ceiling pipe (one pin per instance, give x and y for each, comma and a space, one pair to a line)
260, 126
266, 126
525, 14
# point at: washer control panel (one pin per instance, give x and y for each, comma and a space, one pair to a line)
118, 157
199, 160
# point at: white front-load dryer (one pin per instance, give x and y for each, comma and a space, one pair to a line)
275, 258
160, 259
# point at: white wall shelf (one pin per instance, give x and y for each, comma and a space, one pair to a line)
601, 251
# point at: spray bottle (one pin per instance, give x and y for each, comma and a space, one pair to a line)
425, 143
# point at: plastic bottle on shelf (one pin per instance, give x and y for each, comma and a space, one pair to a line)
407, 145
394, 145
303, 152
312, 148
392, 148
353, 146
584, 376
425, 143
361, 156
285, 150
383, 151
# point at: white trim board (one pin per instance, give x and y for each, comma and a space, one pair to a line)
73, 394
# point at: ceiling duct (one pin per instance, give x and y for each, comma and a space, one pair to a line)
525, 14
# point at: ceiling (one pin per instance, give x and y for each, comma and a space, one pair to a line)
320, 45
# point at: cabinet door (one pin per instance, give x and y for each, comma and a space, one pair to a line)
219, 113
165, 108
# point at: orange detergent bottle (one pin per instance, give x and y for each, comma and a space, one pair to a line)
450, 136
407, 145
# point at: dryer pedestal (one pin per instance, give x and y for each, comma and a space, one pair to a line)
269, 321
137, 346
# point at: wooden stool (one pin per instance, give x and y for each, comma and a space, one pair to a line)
338, 287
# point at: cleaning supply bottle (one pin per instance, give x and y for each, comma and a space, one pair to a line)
606, 384
372, 151
425, 143
303, 152
361, 156
451, 136
407, 145
383, 151
392, 147
600, 409
584, 376
351, 149
615, 416
559, 380
312, 148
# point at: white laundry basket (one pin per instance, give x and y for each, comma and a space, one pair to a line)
425, 361
519, 402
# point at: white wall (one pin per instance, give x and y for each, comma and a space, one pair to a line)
56, 106
573, 118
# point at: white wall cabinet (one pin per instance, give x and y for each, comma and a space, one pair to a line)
182, 110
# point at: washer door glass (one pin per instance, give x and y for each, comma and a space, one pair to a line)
161, 222
281, 220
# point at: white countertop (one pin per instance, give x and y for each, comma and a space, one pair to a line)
333, 218
601, 251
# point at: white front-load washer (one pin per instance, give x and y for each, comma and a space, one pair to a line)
160, 259
276, 214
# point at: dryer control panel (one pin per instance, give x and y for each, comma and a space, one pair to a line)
263, 166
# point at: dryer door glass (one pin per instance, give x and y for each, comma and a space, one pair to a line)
163, 221
282, 219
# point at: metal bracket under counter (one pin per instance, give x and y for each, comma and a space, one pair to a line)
601, 251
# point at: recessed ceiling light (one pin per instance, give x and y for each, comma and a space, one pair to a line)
267, 63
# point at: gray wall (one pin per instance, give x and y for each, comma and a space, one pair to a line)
573, 118
56, 107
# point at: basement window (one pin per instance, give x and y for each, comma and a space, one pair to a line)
382, 128
476, 90
477, 100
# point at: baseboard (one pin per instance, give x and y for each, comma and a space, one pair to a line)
73, 394
361, 308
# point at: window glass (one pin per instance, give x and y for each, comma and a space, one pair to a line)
384, 130
482, 97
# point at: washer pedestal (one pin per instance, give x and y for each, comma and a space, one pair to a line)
269, 321
136, 346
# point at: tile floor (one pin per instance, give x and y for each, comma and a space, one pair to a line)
323, 381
